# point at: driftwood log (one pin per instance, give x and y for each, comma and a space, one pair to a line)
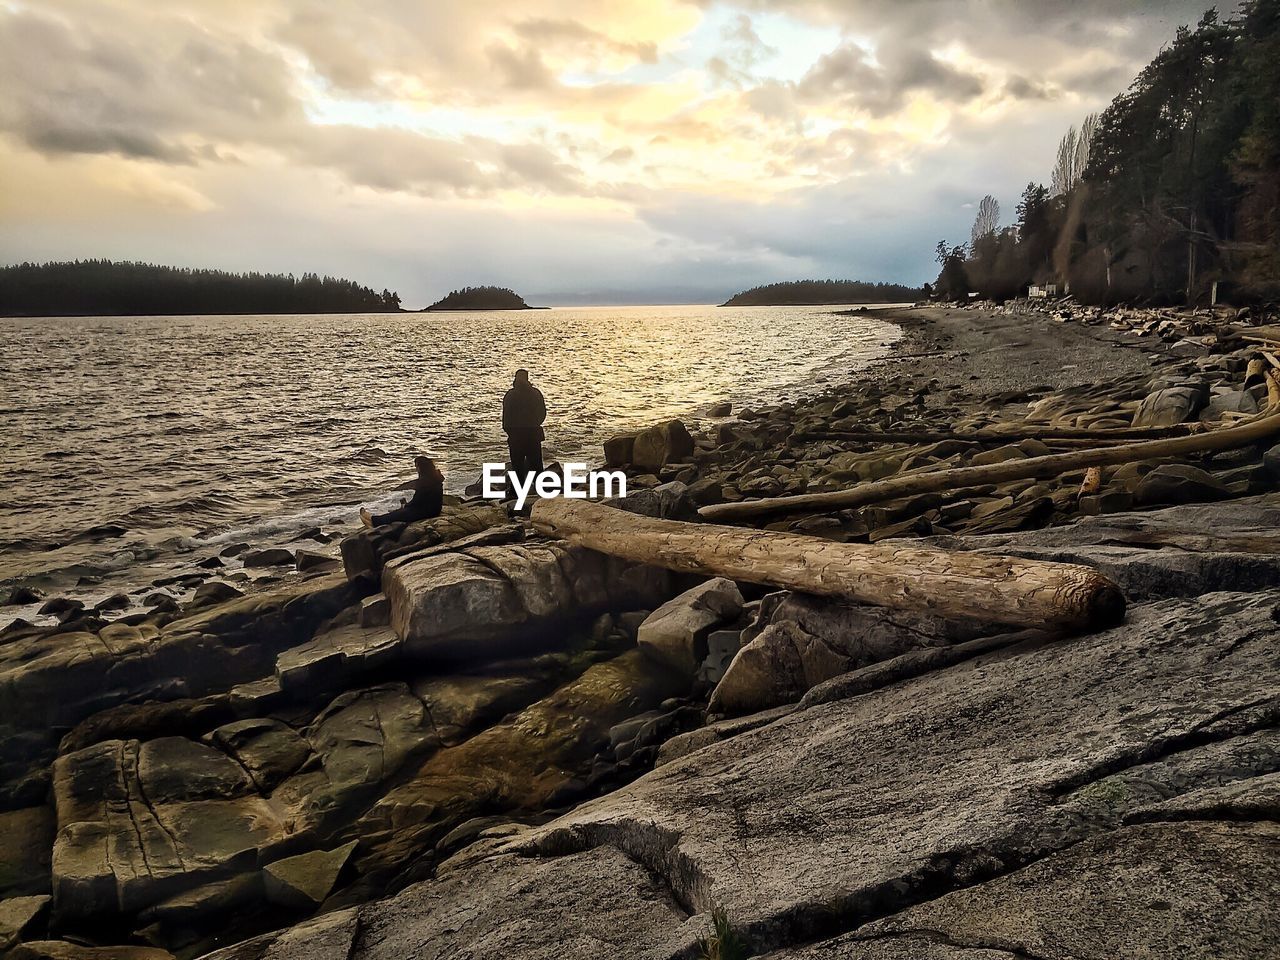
975, 586
1053, 465
1005, 434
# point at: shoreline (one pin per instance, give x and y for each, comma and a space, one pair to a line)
262, 534
472, 716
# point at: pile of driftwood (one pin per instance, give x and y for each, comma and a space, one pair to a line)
897, 574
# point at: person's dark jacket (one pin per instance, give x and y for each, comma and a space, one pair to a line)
524, 410
428, 498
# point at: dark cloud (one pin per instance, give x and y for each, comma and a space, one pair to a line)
92, 88
50, 135
184, 95
1023, 88
880, 83
521, 69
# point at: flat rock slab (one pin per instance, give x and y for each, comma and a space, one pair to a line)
305, 880
50, 683
127, 840
336, 656
1178, 551
1159, 890
855, 811
17, 914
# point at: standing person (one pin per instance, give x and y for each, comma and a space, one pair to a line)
427, 501
523, 412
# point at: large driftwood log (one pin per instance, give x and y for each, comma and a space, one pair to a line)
897, 574
1053, 465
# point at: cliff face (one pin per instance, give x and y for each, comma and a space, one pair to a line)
1098, 796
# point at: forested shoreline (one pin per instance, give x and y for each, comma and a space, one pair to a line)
817, 292
1173, 188
114, 288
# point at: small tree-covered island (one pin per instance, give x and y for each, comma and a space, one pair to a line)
482, 298
819, 292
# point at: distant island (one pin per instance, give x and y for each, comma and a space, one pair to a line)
817, 292
482, 298
100, 288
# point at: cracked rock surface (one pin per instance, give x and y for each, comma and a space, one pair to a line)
1103, 796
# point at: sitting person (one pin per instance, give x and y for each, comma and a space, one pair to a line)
428, 498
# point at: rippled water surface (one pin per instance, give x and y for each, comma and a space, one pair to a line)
135, 445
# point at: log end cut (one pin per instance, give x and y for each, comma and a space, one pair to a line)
1089, 601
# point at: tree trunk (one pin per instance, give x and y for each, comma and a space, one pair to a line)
972, 586
1052, 465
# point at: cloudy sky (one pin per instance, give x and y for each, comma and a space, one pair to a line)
576, 150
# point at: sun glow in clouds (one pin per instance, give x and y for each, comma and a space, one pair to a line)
674, 122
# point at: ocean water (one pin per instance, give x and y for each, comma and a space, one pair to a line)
136, 447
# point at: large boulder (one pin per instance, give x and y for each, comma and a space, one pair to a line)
475, 601
667, 442
798, 641
1171, 405
1178, 483
618, 450
676, 632
335, 657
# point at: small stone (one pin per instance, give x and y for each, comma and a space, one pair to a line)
117, 601
21, 596
375, 611
270, 557
309, 561
215, 591
61, 607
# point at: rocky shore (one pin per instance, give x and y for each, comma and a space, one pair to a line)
471, 740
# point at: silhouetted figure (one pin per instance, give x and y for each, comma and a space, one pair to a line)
427, 501
523, 412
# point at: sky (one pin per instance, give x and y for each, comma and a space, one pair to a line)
578, 151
